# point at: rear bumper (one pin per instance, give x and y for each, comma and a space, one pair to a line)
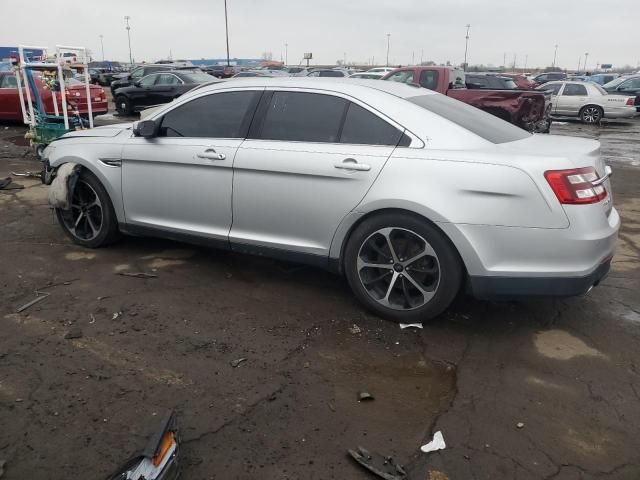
497, 288
620, 112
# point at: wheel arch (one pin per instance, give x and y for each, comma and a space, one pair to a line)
105, 178
599, 107
336, 264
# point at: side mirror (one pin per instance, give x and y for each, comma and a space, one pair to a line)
136, 83
145, 128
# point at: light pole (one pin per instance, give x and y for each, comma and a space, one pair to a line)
286, 54
555, 54
586, 56
126, 19
226, 28
388, 41
466, 46
102, 45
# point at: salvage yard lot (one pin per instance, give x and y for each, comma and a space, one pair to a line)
568, 370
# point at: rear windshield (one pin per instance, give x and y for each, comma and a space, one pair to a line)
483, 124
199, 77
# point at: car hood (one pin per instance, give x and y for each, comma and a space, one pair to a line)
99, 132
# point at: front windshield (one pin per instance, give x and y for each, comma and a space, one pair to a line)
614, 83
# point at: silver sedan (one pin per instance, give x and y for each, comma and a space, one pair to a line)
587, 101
410, 194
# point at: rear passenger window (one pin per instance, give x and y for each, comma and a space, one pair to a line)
429, 79
363, 127
303, 117
219, 115
571, 89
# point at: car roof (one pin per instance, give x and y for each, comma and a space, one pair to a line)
338, 84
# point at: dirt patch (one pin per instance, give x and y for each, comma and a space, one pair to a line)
561, 345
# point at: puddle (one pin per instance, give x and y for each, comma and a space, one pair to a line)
409, 391
561, 345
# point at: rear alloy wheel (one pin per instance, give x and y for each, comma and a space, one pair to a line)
402, 268
91, 220
123, 106
591, 114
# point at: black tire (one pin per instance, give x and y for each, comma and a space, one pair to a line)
39, 149
106, 222
591, 114
446, 260
123, 105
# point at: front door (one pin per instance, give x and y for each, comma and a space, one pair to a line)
181, 180
571, 99
9, 98
310, 160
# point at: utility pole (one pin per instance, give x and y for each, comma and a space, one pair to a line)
102, 45
421, 56
555, 54
413, 58
579, 60
126, 19
526, 59
586, 56
344, 58
226, 29
286, 54
504, 61
388, 42
514, 61
466, 46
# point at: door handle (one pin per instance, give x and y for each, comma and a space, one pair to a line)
211, 154
352, 164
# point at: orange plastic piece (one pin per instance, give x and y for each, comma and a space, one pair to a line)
167, 442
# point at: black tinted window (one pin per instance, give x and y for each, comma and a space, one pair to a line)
429, 79
572, 89
471, 118
476, 81
220, 115
331, 73
303, 117
363, 127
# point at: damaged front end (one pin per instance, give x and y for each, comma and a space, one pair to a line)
62, 181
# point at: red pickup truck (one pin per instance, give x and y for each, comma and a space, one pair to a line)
526, 109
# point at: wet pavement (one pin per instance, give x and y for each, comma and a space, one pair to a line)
520, 390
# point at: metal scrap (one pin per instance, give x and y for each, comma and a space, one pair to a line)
40, 296
382, 466
137, 274
7, 184
29, 174
236, 363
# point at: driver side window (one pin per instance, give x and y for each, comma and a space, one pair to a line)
148, 81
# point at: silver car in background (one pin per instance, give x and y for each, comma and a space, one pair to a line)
410, 194
587, 101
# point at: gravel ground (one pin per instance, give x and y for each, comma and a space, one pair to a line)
526, 390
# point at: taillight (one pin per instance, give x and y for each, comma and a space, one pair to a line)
575, 186
631, 101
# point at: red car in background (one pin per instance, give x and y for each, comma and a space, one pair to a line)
75, 91
522, 82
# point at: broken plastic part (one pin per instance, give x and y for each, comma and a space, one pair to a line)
62, 186
382, 466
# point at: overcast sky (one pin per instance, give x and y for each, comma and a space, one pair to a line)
331, 29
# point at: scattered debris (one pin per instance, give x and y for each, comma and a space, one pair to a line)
39, 296
520, 425
37, 175
355, 329
7, 184
236, 363
137, 274
74, 332
365, 396
116, 315
436, 444
382, 466
410, 325
332, 407
159, 460
19, 400
93, 319
2, 462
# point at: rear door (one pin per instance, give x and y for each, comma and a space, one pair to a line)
571, 99
181, 180
309, 160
